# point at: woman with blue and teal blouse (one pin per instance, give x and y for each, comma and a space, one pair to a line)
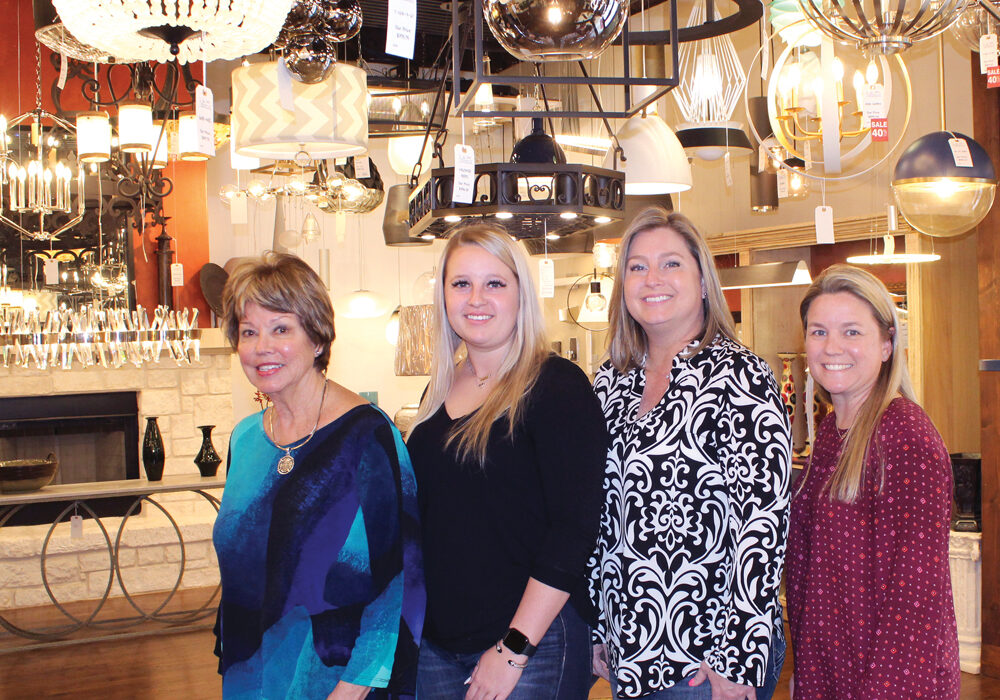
317, 535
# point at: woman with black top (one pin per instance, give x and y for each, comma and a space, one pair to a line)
508, 449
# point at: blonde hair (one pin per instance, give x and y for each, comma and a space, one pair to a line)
520, 368
628, 344
286, 284
893, 379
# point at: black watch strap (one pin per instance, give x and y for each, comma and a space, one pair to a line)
518, 643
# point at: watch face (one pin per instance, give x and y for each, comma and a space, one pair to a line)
515, 641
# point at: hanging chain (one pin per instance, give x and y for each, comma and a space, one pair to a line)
38, 76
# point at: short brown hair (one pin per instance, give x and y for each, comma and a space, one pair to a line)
286, 284
628, 344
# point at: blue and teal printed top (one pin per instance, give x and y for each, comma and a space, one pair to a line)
322, 574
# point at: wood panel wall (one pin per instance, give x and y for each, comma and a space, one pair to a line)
986, 120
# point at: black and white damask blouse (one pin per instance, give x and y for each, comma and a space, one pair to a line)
695, 519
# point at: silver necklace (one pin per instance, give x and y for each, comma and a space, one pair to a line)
287, 462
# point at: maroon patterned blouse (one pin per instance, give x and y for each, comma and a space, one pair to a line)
869, 587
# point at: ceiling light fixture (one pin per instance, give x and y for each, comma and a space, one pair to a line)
166, 31
655, 162
775, 274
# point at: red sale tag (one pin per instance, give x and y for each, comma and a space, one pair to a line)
993, 77
880, 129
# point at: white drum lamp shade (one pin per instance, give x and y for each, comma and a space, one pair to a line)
135, 124
328, 119
404, 150
93, 137
655, 162
187, 138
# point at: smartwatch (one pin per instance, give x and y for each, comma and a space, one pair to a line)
518, 643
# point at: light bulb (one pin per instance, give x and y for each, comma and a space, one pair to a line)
554, 14
871, 72
837, 68
946, 189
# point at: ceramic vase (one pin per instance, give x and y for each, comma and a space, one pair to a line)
967, 472
787, 384
153, 454
208, 460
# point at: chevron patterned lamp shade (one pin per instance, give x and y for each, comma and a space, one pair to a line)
275, 116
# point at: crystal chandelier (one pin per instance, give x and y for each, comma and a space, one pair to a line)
89, 337
199, 30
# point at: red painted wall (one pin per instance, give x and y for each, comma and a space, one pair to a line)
187, 205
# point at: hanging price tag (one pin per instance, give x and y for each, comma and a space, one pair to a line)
204, 113
402, 28
763, 157
987, 52
782, 183
880, 129
807, 153
63, 70
362, 168
50, 269
76, 527
960, 152
546, 278
727, 166
285, 98
824, 224
238, 209
874, 106
993, 77
339, 226
176, 274
465, 174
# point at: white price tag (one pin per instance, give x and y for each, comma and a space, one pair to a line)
987, 52
176, 275
204, 111
402, 28
807, 153
362, 168
824, 224
727, 166
50, 269
238, 209
782, 183
546, 278
64, 70
763, 157
465, 174
339, 226
874, 107
960, 152
75, 527
285, 97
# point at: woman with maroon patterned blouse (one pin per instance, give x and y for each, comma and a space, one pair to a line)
869, 590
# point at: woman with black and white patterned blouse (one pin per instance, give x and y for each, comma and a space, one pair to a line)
692, 540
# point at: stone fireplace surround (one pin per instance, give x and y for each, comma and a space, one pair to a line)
183, 397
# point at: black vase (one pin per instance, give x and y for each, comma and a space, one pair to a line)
967, 514
153, 454
208, 459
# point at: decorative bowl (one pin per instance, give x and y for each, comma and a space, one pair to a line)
17, 475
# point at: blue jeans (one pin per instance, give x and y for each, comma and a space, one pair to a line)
559, 670
683, 691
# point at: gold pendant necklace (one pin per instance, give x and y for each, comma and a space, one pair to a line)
480, 381
287, 462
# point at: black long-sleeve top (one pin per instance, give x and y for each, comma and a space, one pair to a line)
533, 510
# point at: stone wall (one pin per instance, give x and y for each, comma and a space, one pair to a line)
78, 568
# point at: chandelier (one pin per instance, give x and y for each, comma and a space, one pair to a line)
89, 337
882, 27
198, 30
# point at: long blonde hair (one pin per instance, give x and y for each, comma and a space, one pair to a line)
628, 344
520, 368
893, 379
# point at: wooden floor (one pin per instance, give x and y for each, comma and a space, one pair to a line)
182, 666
